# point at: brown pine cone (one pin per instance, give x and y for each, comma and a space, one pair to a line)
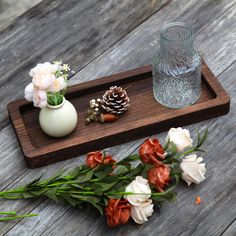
115, 100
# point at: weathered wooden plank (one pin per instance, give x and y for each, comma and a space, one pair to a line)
73, 32
10, 9
86, 224
126, 56
231, 230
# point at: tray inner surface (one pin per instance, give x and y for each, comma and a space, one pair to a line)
140, 93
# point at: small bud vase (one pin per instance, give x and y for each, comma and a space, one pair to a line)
58, 121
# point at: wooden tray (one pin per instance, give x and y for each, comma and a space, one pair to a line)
145, 117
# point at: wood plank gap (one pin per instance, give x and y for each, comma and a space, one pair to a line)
234, 221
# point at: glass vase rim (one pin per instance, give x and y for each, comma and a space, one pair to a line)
176, 23
57, 106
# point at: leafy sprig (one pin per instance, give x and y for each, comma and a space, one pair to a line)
56, 98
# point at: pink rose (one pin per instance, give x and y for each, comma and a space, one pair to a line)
43, 75
58, 84
40, 98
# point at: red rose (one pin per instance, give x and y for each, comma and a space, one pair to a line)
150, 151
117, 212
97, 158
159, 176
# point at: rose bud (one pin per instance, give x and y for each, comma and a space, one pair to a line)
159, 176
150, 151
180, 137
117, 212
97, 158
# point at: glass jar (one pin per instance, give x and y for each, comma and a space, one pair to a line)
176, 67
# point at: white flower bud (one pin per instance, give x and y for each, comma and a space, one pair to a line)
180, 137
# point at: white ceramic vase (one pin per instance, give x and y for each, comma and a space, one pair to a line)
58, 121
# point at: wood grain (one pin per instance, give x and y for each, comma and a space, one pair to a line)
75, 33
204, 14
139, 121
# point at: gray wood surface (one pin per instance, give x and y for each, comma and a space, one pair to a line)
126, 39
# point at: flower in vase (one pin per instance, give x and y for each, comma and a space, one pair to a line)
40, 98
49, 79
43, 75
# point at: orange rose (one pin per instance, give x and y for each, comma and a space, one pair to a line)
159, 176
117, 212
96, 158
150, 151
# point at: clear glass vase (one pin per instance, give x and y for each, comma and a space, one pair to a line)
176, 67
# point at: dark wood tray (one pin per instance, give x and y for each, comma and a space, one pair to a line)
145, 117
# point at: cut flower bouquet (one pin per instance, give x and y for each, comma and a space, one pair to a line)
127, 188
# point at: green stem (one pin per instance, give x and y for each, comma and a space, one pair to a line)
17, 217
186, 153
7, 213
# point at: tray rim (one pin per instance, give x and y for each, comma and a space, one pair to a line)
221, 98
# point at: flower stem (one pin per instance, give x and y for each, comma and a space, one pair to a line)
7, 213
17, 217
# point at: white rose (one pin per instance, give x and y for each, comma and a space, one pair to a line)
29, 92
139, 185
193, 169
43, 75
180, 137
141, 213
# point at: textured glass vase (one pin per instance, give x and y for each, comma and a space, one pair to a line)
176, 67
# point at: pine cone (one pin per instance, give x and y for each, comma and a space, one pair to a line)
115, 100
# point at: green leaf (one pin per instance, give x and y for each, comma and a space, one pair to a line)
27, 195
171, 150
77, 171
137, 170
34, 182
168, 196
122, 169
111, 178
106, 186
72, 201
52, 195
85, 177
57, 176
129, 159
103, 171
204, 136
98, 192
93, 200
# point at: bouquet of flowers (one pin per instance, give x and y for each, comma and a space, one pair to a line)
128, 188
48, 85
